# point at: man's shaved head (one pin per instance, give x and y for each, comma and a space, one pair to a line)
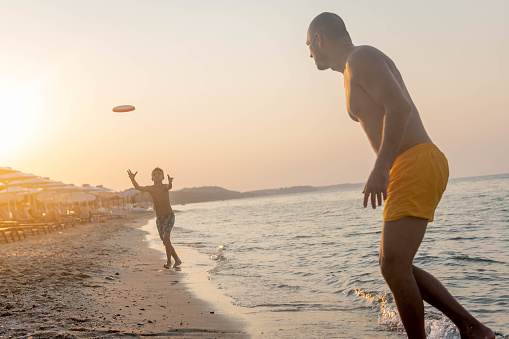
329, 25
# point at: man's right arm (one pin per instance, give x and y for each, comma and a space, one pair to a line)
374, 75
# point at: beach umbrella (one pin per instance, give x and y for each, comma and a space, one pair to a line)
102, 189
68, 189
24, 191
13, 176
102, 192
129, 194
7, 170
52, 183
32, 183
9, 177
17, 191
13, 192
89, 189
43, 194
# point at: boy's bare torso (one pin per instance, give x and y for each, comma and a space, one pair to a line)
370, 114
161, 198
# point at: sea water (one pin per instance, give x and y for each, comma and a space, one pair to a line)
306, 265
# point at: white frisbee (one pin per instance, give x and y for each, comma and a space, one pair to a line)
123, 108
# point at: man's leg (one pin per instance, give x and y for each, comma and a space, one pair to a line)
400, 241
435, 294
431, 290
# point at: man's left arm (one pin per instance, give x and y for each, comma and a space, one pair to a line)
379, 82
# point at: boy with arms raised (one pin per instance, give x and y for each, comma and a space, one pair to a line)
165, 216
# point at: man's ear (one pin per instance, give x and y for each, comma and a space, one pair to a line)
319, 40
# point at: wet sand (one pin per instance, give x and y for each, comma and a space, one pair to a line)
100, 280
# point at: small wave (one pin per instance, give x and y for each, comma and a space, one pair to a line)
377, 300
303, 236
465, 257
465, 238
285, 286
193, 245
288, 307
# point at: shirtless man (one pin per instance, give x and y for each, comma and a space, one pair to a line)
165, 218
410, 173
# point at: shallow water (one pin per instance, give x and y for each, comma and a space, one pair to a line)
306, 265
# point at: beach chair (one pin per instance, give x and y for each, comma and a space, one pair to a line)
67, 223
6, 234
115, 215
18, 216
29, 229
4, 213
10, 233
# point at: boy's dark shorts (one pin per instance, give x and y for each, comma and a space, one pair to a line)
165, 224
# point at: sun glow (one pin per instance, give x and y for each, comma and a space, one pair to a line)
21, 119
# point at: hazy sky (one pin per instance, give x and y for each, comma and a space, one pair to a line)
226, 94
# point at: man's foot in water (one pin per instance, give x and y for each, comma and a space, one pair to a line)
167, 266
478, 331
177, 263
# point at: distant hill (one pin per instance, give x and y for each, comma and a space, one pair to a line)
202, 194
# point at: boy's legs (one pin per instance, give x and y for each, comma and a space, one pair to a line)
410, 285
170, 251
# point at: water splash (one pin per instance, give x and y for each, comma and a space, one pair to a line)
218, 256
441, 329
435, 328
389, 317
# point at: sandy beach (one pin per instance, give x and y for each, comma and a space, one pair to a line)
101, 280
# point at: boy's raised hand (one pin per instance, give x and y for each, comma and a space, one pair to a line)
169, 179
131, 174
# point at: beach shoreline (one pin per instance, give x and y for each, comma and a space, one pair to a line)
101, 280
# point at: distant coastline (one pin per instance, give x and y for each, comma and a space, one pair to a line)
214, 193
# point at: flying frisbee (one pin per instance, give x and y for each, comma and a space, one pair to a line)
123, 108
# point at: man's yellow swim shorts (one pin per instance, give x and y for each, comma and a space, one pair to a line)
418, 179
